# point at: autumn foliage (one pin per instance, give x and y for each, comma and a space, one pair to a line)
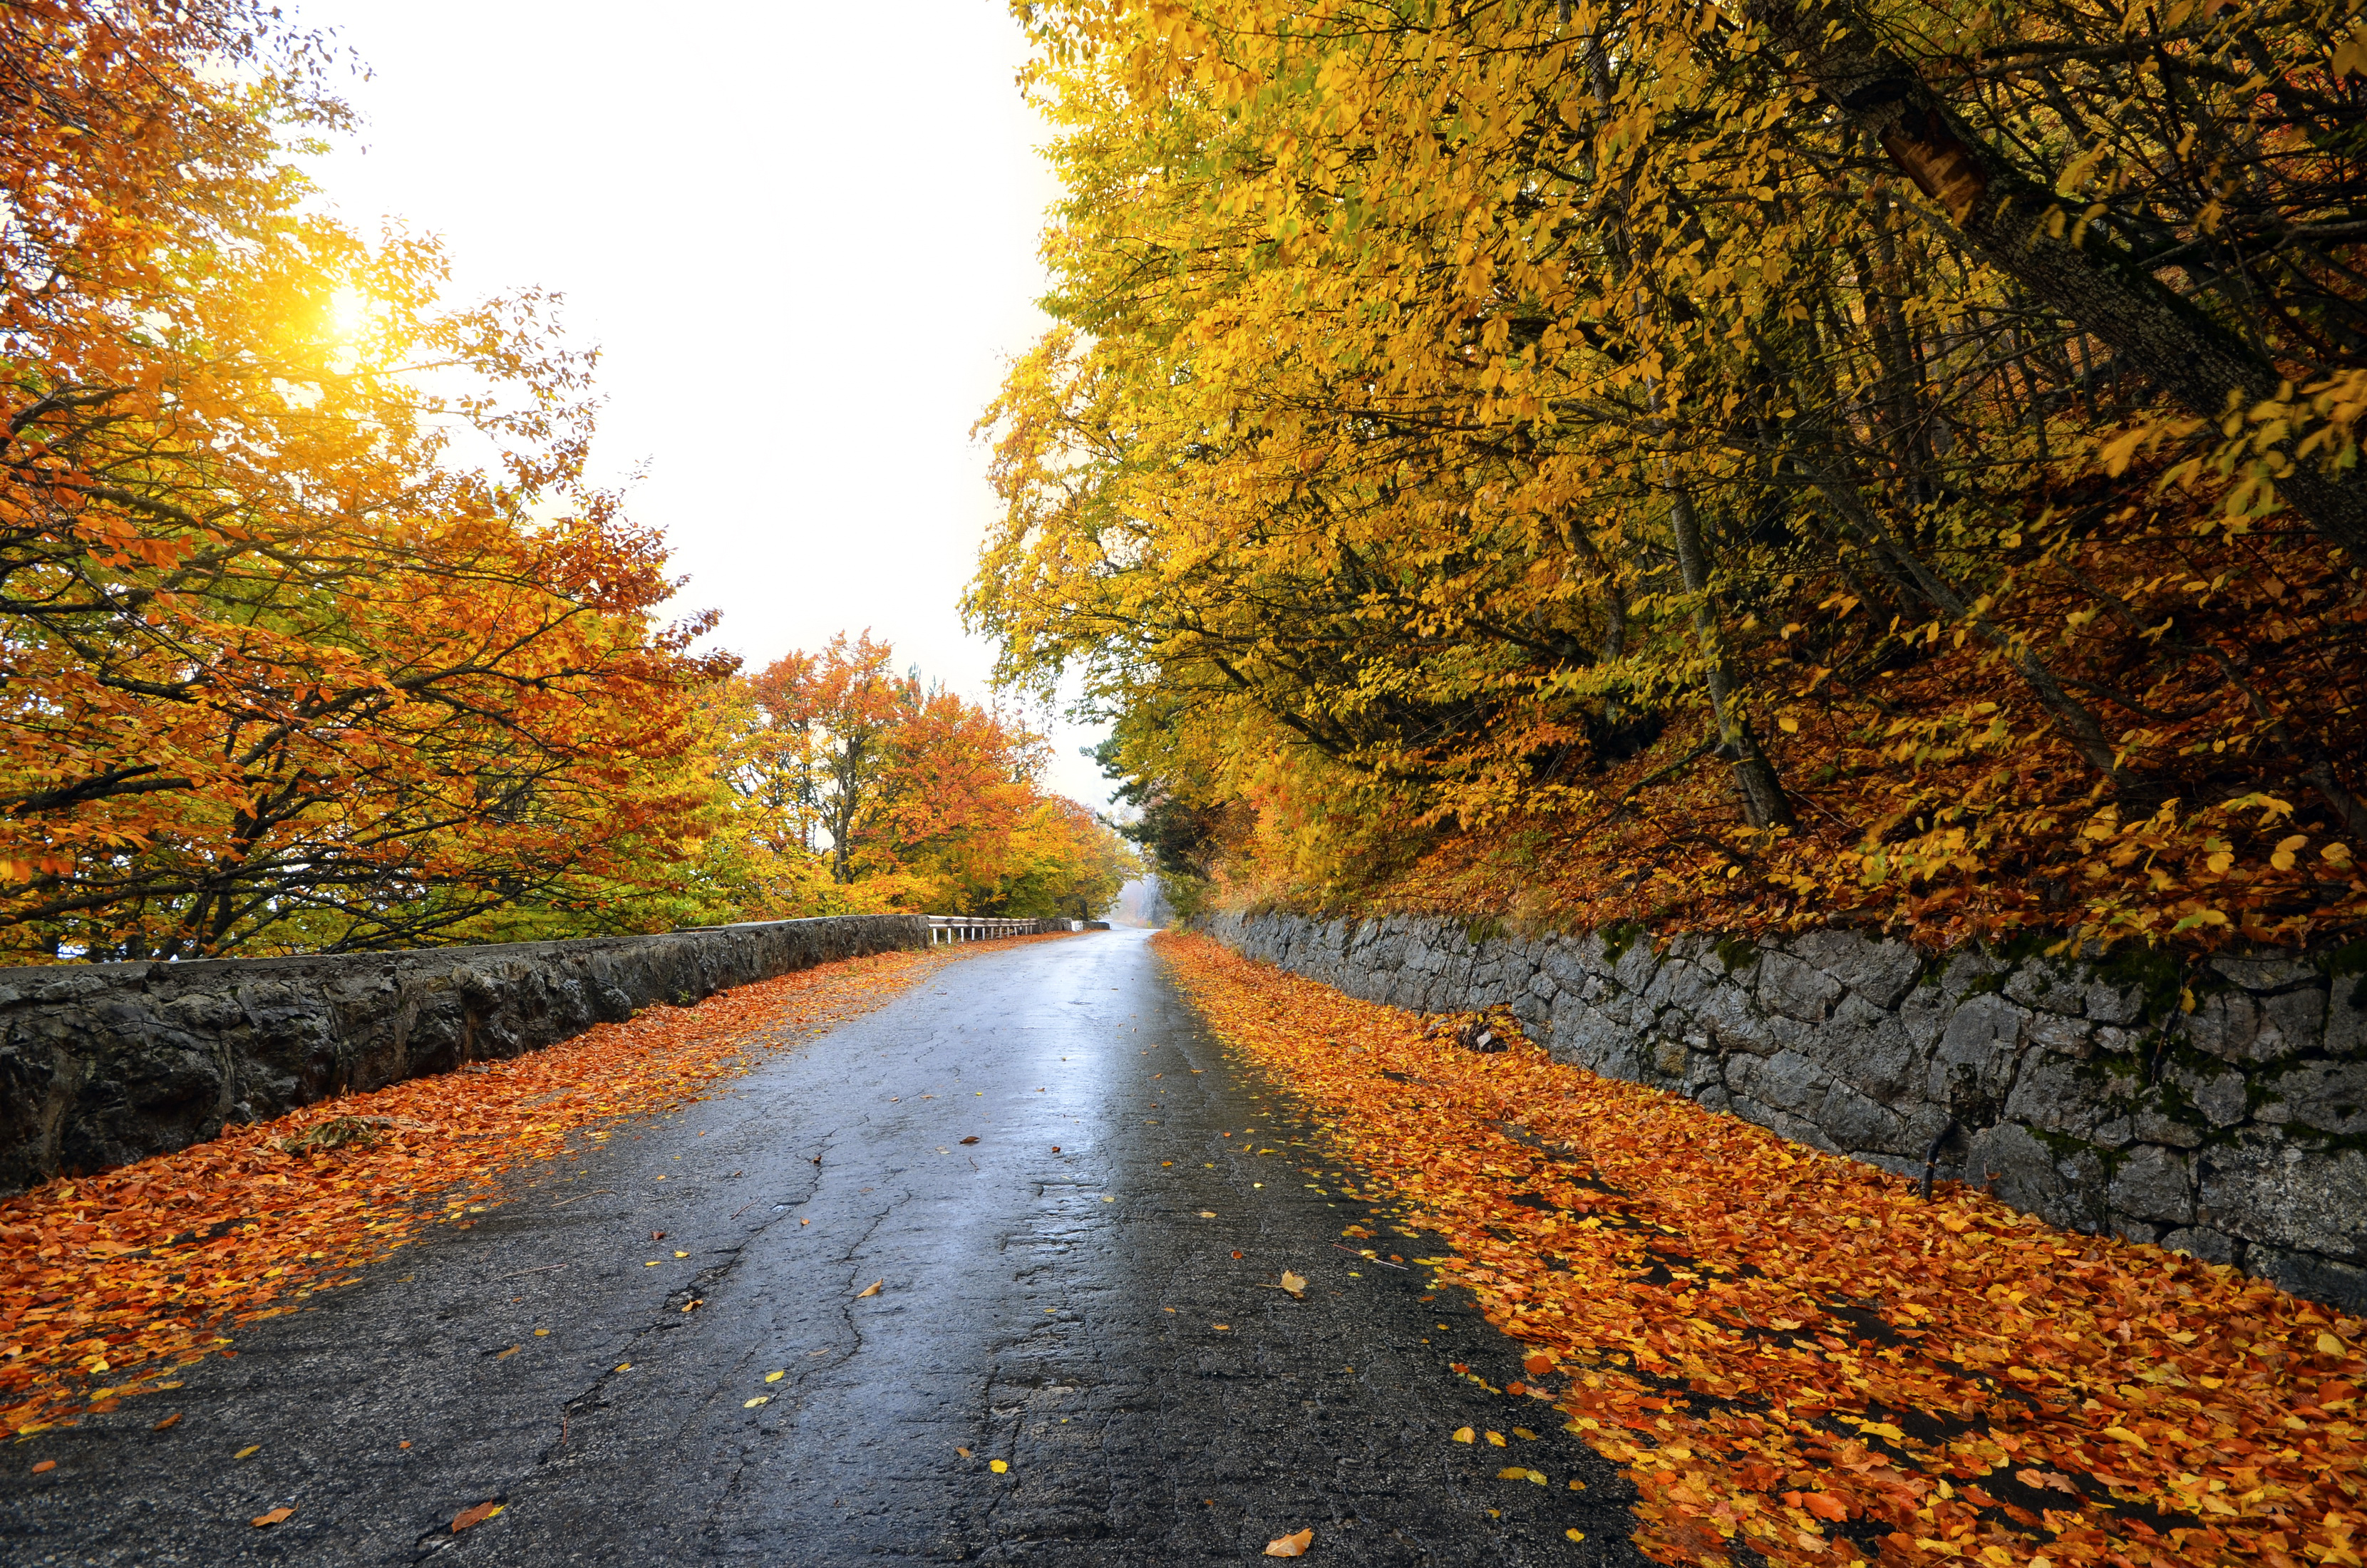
851, 786
1738, 466
1795, 1354
281, 670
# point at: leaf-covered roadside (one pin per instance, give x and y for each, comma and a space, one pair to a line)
110, 1284
1793, 1352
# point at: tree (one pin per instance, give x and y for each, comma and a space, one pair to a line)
1466, 429
277, 673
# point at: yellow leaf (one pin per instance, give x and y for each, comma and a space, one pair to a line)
1290, 1545
775, 1377
998, 1466
1788, 725
1497, 1439
1294, 1283
2125, 1436
1464, 1433
871, 1289
2329, 1346
250, 1449
760, 1399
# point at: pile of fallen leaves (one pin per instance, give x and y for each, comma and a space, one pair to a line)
1793, 1353
110, 1284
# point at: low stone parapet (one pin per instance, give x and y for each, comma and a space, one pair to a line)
105, 1063
2217, 1106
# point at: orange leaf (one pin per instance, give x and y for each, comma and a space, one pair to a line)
476, 1516
275, 1516
1290, 1545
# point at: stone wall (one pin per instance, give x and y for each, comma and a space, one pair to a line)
2219, 1108
104, 1063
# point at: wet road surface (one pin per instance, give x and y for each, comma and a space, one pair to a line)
1074, 1311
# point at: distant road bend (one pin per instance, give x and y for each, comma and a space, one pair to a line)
1084, 1296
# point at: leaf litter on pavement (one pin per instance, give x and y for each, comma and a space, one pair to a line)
1793, 1353
110, 1284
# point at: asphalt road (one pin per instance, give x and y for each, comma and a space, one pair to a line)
1064, 1295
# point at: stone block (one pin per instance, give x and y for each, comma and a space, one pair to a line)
1880, 971
2240, 1026
2203, 1246
2268, 1189
1783, 1123
2068, 1036
2029, 1177
2049, 986
2219, 1094
2060, 1095
2153, 1183
1727, 1018
1973, 1067
1796, 989
1963, 970
2328, 1095
1859, 1124
1637, 966
1788, 1081
2106, 1002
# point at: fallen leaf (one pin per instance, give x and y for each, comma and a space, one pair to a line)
1225, 1326
1294, 1283
971, 1139
1464, 1433
44, 1465
871, 1289
776, 1377
476, 1516
166, 1422
1575, 1534
998, 1466
1290, 1545
2041, 1480
657, 1235
1537, 1363
1056, 1147
508, 1353
250, 1449
2328, 1344
1520, 1472
1824, 1505
964, 1452
760, 1399
1207, 1213
1523, 1434
273, 1518
1497, 1439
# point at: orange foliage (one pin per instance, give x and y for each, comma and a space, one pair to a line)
279, 672
1791, 1352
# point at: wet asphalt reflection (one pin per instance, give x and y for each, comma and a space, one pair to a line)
1060, 1296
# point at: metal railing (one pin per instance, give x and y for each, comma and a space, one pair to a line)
950, 928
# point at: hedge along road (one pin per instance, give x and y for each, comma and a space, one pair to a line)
1060, 1298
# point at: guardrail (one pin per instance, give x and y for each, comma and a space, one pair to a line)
951, 928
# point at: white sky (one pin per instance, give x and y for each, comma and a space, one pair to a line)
806, 273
